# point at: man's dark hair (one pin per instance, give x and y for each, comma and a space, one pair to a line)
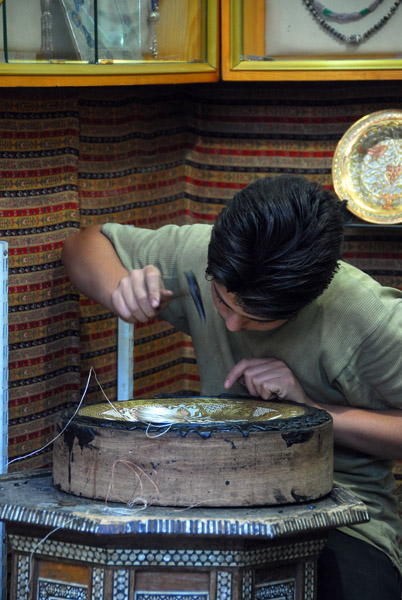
276, 245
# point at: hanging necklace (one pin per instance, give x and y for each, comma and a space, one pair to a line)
153, 18
353, 16
354, 38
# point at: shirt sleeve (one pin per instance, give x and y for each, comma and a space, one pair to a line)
138, 247
173, 250
373, 376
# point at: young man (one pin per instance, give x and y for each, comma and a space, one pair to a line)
283, 317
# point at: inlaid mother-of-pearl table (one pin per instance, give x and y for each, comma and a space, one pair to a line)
68, 548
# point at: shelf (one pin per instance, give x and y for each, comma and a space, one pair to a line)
266, 41
352, 222
77, 48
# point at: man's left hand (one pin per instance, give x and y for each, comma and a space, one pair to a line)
268, 378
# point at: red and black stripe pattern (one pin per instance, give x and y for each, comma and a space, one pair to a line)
144, 155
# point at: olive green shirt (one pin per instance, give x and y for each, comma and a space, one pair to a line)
344, 348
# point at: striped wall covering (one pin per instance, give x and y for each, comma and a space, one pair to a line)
39, 147
146, 156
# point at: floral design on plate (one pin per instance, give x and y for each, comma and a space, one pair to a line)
367, 167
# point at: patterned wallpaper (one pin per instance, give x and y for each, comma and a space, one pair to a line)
144, 155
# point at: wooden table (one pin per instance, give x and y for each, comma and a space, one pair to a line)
68, 548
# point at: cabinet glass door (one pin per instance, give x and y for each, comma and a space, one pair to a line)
134, 36
311, 39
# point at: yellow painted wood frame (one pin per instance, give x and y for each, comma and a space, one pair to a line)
245, 29
173, 40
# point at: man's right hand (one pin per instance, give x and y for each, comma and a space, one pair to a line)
94, 267
140, 295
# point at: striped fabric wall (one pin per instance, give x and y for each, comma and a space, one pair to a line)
145, 156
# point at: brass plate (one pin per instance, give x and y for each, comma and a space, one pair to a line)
193, 410
367, 167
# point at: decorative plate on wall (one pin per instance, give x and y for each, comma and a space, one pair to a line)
367, 167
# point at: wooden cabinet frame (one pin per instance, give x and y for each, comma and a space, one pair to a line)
239, 31
154, 71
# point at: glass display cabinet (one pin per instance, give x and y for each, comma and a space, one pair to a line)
311, 40
110, 41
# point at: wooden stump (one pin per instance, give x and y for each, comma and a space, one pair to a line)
223, 464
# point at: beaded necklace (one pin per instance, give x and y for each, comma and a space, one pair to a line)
153, 19
354, 38
352, 16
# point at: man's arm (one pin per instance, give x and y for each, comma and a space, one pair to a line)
92, 264
375, 432
94, 267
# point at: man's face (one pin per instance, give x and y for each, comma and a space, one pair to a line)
234, 317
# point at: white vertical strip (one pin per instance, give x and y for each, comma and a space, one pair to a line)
125, 360
4, 398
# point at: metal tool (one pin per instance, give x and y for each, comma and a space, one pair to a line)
193, 291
